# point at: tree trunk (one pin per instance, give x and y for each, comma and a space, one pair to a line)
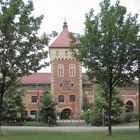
1, 103
109, 111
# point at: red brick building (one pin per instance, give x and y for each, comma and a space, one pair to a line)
66, 75
68, 86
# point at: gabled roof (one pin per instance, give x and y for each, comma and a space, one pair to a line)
37, 78
63, 40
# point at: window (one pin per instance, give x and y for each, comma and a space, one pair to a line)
33, 114
42, 85
71, 70
72, 98
129, 106
72, 84
34, 99
57, 53
66, 53
61, 84
61, 98
60, 70
66, 85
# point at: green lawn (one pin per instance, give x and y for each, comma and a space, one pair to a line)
124, 135
133, 123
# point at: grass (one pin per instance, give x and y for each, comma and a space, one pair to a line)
117, 135
133, 123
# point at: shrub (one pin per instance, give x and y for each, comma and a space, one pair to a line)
87, 115
96, 121
130, 116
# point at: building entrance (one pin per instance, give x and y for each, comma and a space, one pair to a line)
65, 114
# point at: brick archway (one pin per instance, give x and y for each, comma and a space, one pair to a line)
65, 113
129, 106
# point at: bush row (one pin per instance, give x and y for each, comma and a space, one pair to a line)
98, 121
16, 119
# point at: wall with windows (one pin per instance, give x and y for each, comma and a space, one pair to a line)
130, 94
60, 53
67, 83
33, 97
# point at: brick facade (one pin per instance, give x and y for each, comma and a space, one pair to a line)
67, 86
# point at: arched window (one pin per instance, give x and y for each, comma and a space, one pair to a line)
72, 71
129, 106
60, 70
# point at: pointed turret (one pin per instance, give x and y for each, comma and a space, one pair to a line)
63, 40
65, 26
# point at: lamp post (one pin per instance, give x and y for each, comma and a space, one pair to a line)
103, 116
38, 96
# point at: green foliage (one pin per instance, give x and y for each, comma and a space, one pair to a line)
13, 100
86, 104
21, 47
109, 46
130, 116
47, 107
22, 50
100, 106
87, 116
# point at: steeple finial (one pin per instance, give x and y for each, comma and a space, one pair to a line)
65, 26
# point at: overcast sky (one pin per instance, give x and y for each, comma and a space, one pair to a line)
55, 11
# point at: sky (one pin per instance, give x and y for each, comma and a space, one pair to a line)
56, 11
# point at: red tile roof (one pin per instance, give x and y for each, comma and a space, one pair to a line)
63, 40
37, 78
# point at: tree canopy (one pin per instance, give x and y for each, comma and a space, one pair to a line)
47, 107
98, 114
22, 49
108, 46
13, 100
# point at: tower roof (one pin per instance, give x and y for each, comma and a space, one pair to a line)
63, 40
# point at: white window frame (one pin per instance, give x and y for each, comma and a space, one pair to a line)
72, 70
60, 70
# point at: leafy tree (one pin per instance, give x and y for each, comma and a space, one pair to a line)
21, 48
99, 111
13, 100
100, 106
108, 47
47, 107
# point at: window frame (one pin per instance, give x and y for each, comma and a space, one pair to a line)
72, 70
61, 98
60, 71
34, 99
72, 98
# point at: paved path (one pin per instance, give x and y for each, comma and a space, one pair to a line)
67, 128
